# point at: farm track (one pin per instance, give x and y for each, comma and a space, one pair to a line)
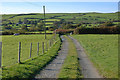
53, 68
88, 70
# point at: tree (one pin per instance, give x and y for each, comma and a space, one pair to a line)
24, 27
32, 28
8, 27
55, 25
108, 24
25, 21
68, 26
20, 22
40, 25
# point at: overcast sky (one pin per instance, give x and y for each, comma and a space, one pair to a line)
58, 7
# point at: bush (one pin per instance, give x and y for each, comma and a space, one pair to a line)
21, 31
98, 30
64, 31
108, 24
7, 33
50, 28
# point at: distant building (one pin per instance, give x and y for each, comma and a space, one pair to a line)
16, 34
71, 33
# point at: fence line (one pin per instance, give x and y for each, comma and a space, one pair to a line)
40, 48
30, 50
46, 46
0, 54
19, 51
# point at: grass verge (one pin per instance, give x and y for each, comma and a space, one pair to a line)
71, 68
31, 67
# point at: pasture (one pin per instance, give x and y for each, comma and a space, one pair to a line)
52, 20
30, 67
35, 22
10, 47
102, 51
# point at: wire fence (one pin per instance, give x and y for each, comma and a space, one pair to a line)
26, 51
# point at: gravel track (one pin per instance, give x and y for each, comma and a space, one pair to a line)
53, 68
88, 70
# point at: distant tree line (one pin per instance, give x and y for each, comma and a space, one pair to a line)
106, 28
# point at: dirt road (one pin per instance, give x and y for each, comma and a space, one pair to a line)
52, 69
88, 70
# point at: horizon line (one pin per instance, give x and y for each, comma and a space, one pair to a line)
57, 13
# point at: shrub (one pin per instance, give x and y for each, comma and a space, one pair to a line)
97, 30
108, 24
7, 33
64, 31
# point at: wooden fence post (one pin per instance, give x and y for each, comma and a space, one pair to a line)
55, 37
55, 34
46, 46
38, 49
19, 51
30, 50
50, 43
42, 47
0, 54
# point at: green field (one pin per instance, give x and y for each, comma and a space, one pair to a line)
52, 20
31, 67
93, 19
10, 47
102, 51
48, 23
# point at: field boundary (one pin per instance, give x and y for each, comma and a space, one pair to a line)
34, 49
29, 68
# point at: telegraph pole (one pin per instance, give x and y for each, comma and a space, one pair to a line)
44, 21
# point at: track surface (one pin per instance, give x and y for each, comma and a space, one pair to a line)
52, 69
88, 70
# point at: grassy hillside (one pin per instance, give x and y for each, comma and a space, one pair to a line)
75, 18
102, 51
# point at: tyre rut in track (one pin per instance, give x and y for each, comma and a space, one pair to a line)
88, 70
53, 68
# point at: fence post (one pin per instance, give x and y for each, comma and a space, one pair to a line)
46, 46
38, 49
55, 34
0, 54
50, 43
19, 51
42, 47
30, 50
